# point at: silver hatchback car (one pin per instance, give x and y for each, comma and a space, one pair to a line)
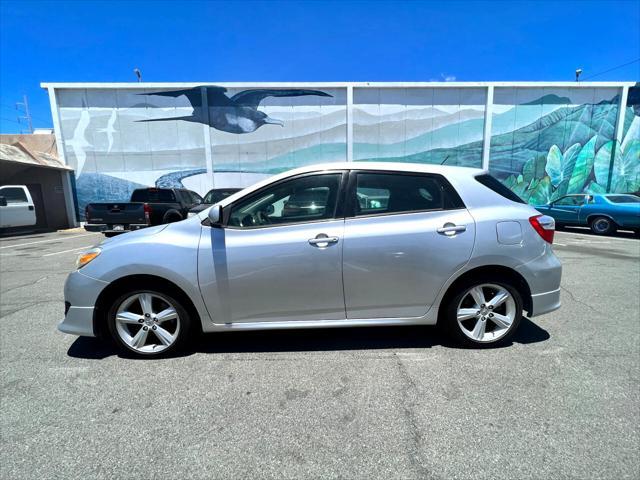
338, 245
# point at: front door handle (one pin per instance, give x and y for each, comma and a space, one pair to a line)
451, 229
322, 240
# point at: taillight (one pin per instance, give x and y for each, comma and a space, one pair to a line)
147, 213
544, 225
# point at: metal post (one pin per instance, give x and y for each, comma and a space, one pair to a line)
350, 123
208, 154
486, 136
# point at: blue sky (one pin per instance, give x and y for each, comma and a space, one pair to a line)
88, 41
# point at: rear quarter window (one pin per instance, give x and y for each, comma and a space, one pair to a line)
497, 186
623, 198
153, 195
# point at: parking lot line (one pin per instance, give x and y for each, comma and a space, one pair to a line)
47, 240
66, 251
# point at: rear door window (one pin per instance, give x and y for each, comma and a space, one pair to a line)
386, 193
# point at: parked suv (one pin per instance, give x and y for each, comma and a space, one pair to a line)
364, 244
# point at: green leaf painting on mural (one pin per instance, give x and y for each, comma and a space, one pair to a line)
542, 192
560, 167
594, 187
626, 168
583, 166
579, 169
602, 163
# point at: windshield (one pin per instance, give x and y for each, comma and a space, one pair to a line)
623, 198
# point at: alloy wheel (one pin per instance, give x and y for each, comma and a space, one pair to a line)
486, 313
147, 322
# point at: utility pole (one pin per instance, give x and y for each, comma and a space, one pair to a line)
27, 114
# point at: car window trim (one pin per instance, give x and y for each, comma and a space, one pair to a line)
338, 212
352, 190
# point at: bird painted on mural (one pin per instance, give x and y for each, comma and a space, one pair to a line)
78, 142
236, 114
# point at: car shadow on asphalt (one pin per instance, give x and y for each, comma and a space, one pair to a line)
305, 340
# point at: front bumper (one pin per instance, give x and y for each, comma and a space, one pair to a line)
80, 294
78, 321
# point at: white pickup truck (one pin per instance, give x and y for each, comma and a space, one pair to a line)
16, 207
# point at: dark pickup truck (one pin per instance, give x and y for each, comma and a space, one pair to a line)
148, 206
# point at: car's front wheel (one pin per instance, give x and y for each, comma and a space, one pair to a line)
148, 323
484, 312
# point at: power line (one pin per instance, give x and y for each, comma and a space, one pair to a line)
612, 69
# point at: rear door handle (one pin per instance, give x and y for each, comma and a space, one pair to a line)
322, 240
451, 229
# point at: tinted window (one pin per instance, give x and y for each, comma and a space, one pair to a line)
623, 198
497, 186
14, 195
195, 198
573, 200
152, 195
393, 193
214, 196
302, 199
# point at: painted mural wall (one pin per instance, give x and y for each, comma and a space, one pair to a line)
118, 140
422, 125
545, 142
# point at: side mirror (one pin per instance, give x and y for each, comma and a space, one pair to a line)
215, 215
3, 201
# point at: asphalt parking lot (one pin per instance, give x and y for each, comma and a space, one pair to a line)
562, 401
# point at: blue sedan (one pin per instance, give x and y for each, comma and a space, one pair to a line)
603, 213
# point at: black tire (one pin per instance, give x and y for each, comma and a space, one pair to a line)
183, 333
110, 234
171, 217
602, 225
454, 330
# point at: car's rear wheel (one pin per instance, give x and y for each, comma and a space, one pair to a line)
602, 226
148, 323
483, 313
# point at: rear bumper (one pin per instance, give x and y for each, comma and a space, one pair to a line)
545, 302
543, 275
107, 228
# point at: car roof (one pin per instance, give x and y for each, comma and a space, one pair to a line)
389, 166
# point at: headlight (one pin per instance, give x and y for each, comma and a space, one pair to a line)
87, 256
